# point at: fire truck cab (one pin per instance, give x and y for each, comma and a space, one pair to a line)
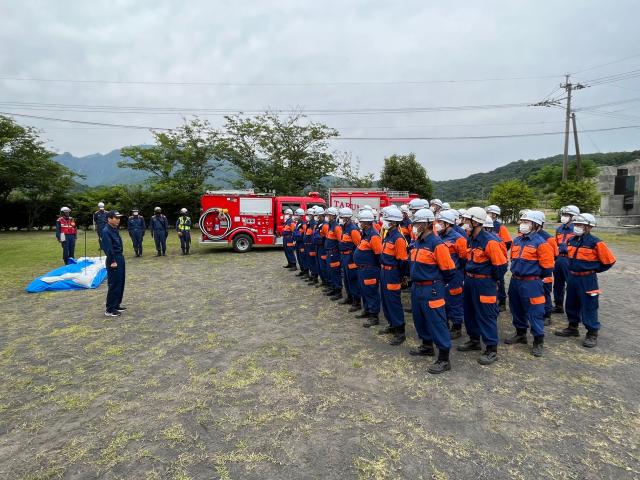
243, 218
356, 198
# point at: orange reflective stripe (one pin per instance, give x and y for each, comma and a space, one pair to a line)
364, 245
546, 257
583, 253
489, 299
436, 303
302, 250
455, 291
401, 249
461, 248
346, 238
594, 293
497, 252
290, 244
389, 248
370, 281
547, 280
443, 257
352, 266
605, 255
376, 244
356, 237
312, 254
537, 300
394, 286
323, 257
515, 251
421, 255
334, 264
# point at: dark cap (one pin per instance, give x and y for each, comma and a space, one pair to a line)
113, 214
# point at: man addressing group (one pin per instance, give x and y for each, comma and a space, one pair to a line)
112, 246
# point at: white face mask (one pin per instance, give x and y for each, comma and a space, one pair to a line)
308, 217
287, 216
578, 230
341, 221
466, 226
565, 219
524, 228
439, 227
315, 217
415, 231
385, 225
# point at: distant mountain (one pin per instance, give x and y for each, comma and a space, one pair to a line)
479, 185
99, 169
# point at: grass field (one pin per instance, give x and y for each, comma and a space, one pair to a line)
226, 366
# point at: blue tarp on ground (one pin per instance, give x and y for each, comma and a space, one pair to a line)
86, 272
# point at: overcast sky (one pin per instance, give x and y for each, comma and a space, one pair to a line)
325, 48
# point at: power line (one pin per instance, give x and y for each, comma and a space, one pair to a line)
606, 64
83, 122
617, 77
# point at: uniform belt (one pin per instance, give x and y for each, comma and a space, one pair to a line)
388, 267
529, 277
425, 282
346, 252
563, 254
477, 275
582, 274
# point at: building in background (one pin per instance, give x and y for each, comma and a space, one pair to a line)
620, 201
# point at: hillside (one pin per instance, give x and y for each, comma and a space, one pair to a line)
479, 185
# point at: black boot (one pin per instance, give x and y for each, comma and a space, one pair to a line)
337, 295
371, 320
159, 254
558, 309
469, 345
363, 314
424, 350
442, 364
355, 306
538, 343
398, 335
570, 331
489, 355
591, 340
519, 337
348, 300
502, 306
301, 273
455, 332
386, 330
331, 292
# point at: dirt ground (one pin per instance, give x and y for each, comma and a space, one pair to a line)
226, 366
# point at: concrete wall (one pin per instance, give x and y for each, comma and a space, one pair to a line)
611, 204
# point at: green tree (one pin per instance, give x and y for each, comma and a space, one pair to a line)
582, 193
404, 172
512, 196
348, 173
549, 177
282, 154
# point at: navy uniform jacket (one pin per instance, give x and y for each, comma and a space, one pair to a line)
111, 244
136, 224
159, 225
100, 220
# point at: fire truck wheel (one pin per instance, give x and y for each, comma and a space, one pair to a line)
242, 243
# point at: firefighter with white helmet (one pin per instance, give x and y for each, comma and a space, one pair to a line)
405, 225
486, 265
298, 232
446, 206
287, 239
183, 227
136, 227
367, 258
435, 205
159, 226
319, 236
431, 269
394, 267
564, 233
99, 222
531, 261
588, 256
310, 250
457, 244
501, 231
349, 241
334, 234
66, 232
548, 280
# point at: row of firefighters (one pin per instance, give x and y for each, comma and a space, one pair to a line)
67, 230
455, 263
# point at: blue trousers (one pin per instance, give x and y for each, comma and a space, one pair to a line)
560, 279
502, 293
390, 284
115, 282
302, 257
333, 268
368, 277
582, 301
429, 314
68, 248
136, 239
289, 250
548, 305
312, 259
161, 242
481, 310
185, 240
322, 264
454, 296
350, 276
527, 303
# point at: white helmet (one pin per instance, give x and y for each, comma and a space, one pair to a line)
100, 204
183, 210
288, 211
365, 216
493, 209
448, 216
423, 215
437, 202
533, 216
462, 211
65, 209
299, 211
404, 208
345, 212
318, 210
157, 209
418, 203
375, 212
585, 219
488, 223
331, 211
392, 214
446, 206
477, 214
570, 210
366, 207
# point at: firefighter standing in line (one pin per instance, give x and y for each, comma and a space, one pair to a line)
348, 243
298, 232
564, 233
367, 257
435, 206
588, 256
287, 240
112, 244
486, 265
99, 221
405, 225
457, 244
457, 225
334, 234
309, 247
531, 261
501, 231
66, 232
136, 227
431, 269
159, 226
319, 235
183, 227
548, 280
393, 268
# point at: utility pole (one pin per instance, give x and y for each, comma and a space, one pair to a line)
569, 87
575, 140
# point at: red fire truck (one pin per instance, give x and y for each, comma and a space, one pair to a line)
243, 218
356, 198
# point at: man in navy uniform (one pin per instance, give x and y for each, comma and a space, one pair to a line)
112, 245
136, 227
183, 227
99, 221
159, 226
